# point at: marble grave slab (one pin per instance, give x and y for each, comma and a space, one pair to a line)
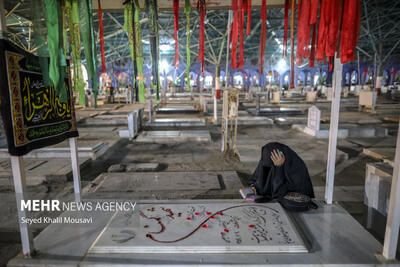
150, 181
174, 136
201, 228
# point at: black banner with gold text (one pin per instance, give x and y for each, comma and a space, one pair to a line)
33, 115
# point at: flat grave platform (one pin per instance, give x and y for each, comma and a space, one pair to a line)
272, 112
39, 171
163, 137
177, 110
252, 120
386, 154
177, 122
86, 149
330, 242
200, 228
154, 181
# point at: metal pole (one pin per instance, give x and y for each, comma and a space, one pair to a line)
227, 48
333, 132
17, 165
393, 218
3, 27
359, 73
75, 168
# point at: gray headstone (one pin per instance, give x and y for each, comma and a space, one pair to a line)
116, 168
314, 117
142, 167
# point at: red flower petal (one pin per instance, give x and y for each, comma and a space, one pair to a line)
196, 213
188, 218
226, 230
208, 213
204, 226
251, 225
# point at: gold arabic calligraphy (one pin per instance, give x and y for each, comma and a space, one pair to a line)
43, 102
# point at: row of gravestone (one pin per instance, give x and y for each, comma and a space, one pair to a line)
135, 124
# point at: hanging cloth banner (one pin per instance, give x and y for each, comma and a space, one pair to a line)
328, 30
39, 33
263, 39
101, 34
154, 42
201, 7
128, 27
176, 29
57, 59
303, 30
86, 28
134, 62
64, 25
72, 10
313, 22
248, 8
95, 79
139, 52
187, 12
285, 31
350, 29
234, 34
241, 33
292, 19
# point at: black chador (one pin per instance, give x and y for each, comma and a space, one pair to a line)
275, 182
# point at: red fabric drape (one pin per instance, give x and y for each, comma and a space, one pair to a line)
235, 34
248, 17
313, 22
292, 19
285, 32
303, 31
263, 39
176, 29
101, 34
201, 7
350, 29
313, 44
241, 32
328, 30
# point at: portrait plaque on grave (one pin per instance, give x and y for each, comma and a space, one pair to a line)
33, 116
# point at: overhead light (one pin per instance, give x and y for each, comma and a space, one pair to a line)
282, 65
165, 47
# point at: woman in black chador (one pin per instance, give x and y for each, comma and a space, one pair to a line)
281, 171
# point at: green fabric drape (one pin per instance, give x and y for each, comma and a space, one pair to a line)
129, 28
187, 12
39, 33
154, 43
139, 52
57, 59
86, 28
72, 10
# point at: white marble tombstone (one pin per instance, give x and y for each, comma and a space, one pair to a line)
329, 93
276, 97
201, 228
314, 117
